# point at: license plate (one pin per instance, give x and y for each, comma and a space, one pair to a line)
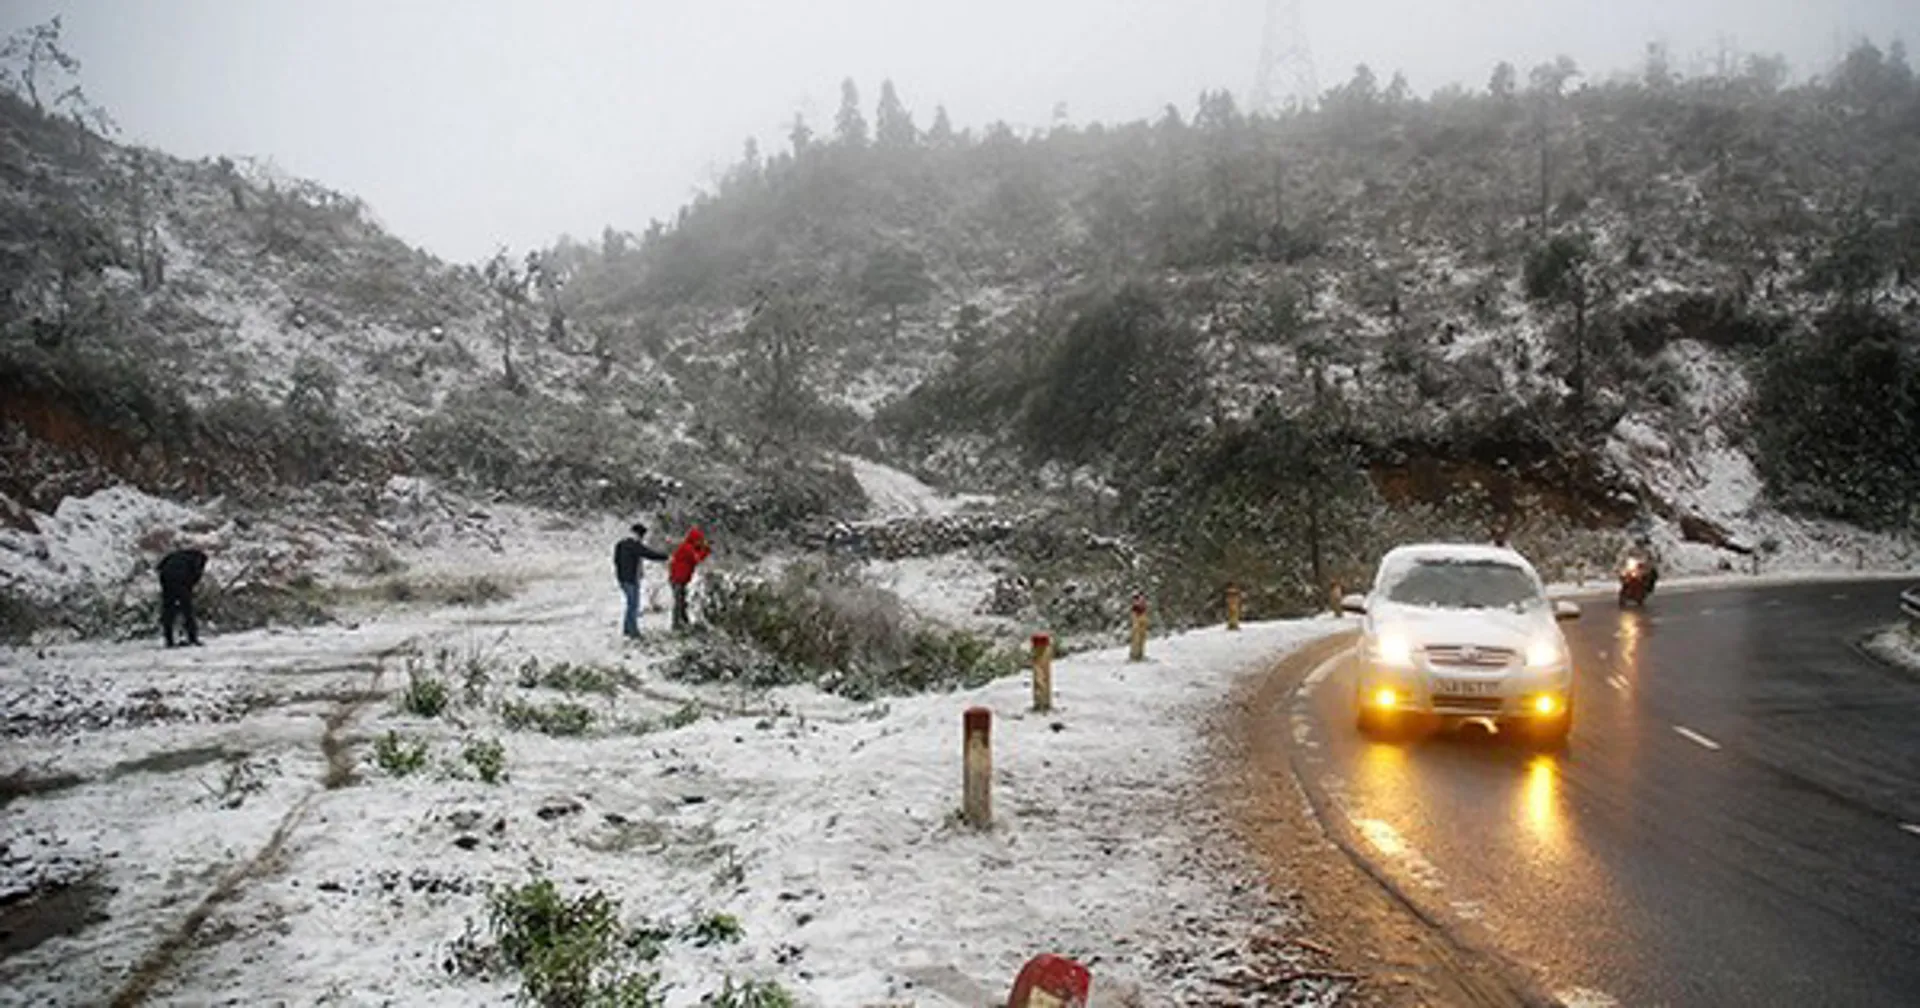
1466, 687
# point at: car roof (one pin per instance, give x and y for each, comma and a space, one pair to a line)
1455, 553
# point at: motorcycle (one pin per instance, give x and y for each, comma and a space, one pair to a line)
1636, 583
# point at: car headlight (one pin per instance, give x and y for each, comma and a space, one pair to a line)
1393, 649
1544, 653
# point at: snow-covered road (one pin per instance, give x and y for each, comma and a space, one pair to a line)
895, 494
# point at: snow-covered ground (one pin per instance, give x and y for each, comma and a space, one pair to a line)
895, 494
235, 785
213, 782
1699, 461
1898, 645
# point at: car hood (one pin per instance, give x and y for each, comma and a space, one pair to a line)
1425, 626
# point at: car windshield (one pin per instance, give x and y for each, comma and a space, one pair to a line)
1464, 584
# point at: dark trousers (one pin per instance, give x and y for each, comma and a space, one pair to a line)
680, 620
177, 606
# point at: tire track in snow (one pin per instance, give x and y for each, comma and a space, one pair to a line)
160, 961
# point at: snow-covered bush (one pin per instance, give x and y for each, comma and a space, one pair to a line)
822, 625
1836, 411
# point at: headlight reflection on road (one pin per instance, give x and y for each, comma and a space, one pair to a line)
1540, 805
1629, 636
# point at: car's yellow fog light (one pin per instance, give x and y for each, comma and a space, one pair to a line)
1546, 704
1386, 698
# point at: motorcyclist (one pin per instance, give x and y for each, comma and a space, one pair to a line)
1641, 552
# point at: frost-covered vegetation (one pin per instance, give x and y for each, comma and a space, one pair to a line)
1251, 346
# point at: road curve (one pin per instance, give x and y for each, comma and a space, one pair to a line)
1736, 820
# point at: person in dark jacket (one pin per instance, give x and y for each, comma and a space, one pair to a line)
687, 556
627, 555
180, 573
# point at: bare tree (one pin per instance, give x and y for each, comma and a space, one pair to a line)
1549, 82
33, 63
509, 285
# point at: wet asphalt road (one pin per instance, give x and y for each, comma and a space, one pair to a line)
1736, 820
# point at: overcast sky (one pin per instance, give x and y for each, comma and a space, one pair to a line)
468, 124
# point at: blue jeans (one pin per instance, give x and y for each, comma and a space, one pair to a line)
630, 624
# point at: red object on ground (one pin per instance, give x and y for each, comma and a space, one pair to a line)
1051, 981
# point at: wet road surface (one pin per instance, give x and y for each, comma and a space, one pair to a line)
1736, 820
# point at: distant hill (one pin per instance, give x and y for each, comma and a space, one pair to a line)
1262, 344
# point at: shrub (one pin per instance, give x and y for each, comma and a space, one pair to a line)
425, 696
1119, 379
553, 719
570, 678
397, 756
688, 713
752, 994
570, 953
715, 929
20, 618
1833, 414
476, 591
822, 625
488, 759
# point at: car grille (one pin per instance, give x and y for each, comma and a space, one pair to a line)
1469, 656
1467, 704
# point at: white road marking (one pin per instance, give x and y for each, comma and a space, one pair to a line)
1708, 611
1842, 597
1586, 997
1617, 682
1391, 844
1911, 828
1695, 737
1321, 671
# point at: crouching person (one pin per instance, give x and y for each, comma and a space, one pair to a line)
180, 573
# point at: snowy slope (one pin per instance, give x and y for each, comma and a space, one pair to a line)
1697, 458
825, 827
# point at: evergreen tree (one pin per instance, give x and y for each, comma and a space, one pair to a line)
940, 134
1501, 84
850, 126
894, 278
800, 135
893, 124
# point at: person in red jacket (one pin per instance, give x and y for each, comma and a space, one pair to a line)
686, 557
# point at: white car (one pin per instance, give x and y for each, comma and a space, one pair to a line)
1463, 632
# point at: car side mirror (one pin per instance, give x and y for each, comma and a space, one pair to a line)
1566, 610
1355, 604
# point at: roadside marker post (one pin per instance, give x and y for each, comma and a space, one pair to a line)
976, 755
1233, 607
1042, 672
1138, 650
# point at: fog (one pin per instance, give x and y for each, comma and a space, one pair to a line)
469, 124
